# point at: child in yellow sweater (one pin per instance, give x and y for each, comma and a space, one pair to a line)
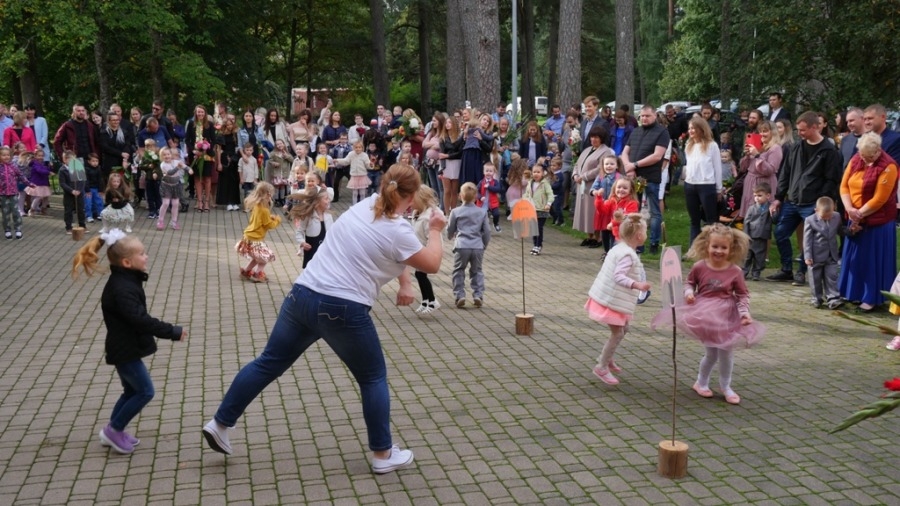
252, 245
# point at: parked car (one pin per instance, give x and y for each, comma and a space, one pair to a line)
541, 106
634, 108
678, 104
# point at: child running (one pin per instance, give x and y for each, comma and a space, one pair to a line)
469, 225
425, 204
252, 246
540, 194
170, 189
311, 219
612, 296
489, 194
118, 212
130, 330
718, 305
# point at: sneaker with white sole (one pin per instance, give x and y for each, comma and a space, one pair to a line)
477, 301
605, 376
216, 436
398, 459
423, 306
894, 345
128, 437
116, 440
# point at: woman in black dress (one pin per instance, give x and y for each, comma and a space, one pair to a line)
229, 189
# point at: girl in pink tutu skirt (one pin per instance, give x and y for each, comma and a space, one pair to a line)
718, 305
613, 295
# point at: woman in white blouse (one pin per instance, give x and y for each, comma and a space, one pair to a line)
702, 175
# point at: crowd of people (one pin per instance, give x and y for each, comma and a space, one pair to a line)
741, 182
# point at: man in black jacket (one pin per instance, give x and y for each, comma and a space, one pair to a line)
810, 169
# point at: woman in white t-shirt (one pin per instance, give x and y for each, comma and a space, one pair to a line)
702, 175
369, 245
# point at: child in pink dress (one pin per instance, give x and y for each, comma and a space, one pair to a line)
718, 305
612, 297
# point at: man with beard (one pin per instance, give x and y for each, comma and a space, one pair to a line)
77, 134
647, 146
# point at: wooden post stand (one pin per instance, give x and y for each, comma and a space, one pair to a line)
673, 459
524, 324
77, 233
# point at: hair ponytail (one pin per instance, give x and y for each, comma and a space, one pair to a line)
399, 182
631, 224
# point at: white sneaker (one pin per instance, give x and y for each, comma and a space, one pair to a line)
90, 220
398, 459
217, 437
894, 345
127, 230
422, 307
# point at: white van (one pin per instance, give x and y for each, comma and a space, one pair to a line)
541, 106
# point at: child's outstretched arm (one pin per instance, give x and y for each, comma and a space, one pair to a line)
132, 309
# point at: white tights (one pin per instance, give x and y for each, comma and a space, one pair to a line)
726, 364
164, 206
359, 194
616, 334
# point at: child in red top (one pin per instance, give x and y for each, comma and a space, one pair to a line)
489, 193
611, 171
622, 203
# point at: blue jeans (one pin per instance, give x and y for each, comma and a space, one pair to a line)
348, 329
790, 217
374, 182
138, 392
702, 201
652, 192
93, 204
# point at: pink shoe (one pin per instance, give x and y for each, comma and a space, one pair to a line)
175, 226
702, 392
159, 225
613, 367
605, 376
731, 397
894, 345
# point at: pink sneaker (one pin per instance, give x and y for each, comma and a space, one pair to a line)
605, 376
116, 440
159, 225
894, 345
613, 367
175, 226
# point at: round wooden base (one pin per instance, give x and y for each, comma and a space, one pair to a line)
524, 324
673, 459
77, 233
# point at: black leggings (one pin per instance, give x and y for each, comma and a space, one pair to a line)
425, 286
538, 240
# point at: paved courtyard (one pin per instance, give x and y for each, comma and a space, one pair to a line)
493, 418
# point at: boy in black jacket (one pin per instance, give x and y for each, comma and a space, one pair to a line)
72, 180
130, 330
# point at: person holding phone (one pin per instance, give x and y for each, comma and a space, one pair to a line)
760, 161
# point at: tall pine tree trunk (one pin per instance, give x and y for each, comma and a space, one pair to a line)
625, 53
488, 23
471, 38
724, 51
526, 28
456, 60
291, 63
156, 73
425, 58
570, 17
379, 54
553, 48
100, 64
29, 83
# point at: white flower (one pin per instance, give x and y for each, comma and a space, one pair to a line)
413, 123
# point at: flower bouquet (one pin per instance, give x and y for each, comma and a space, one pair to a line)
639, 184
200, 156
408, 127
150, 165
889, 402
575, 144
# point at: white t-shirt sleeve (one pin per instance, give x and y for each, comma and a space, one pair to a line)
405, 244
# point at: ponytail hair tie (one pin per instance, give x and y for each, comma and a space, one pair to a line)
112, 237
393, 182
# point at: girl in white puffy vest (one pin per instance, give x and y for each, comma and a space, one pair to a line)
612, 297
